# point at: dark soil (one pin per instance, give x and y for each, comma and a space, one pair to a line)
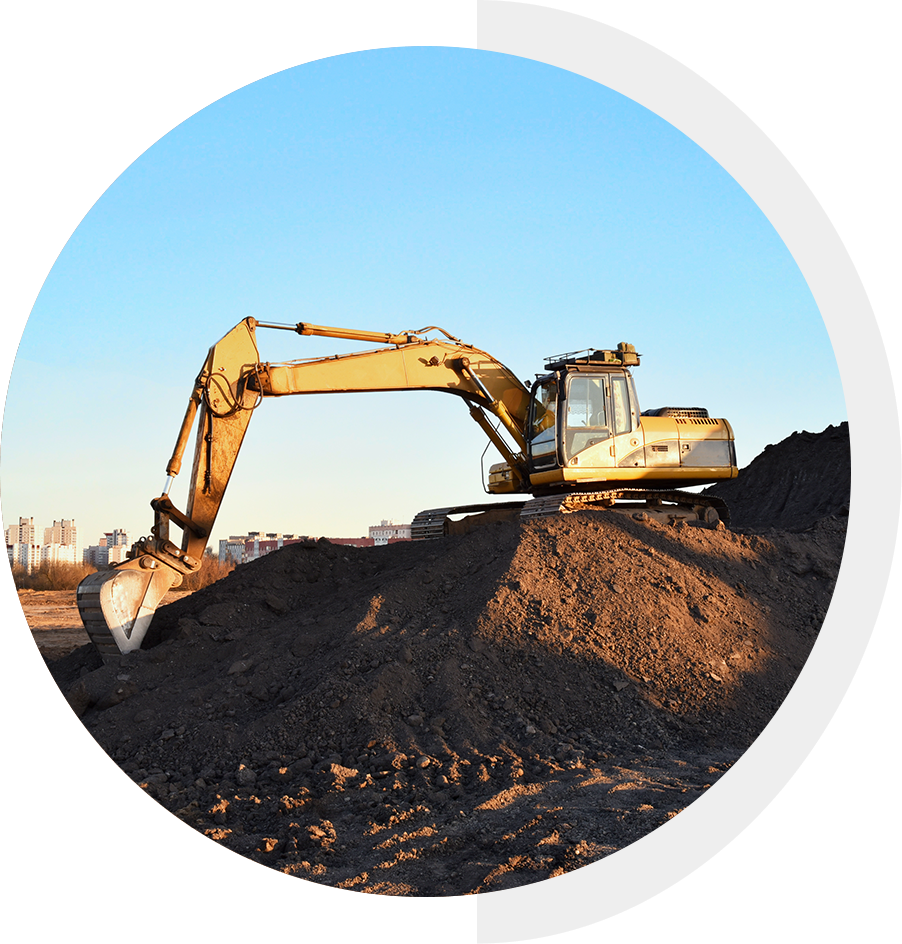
792, 484
481, 712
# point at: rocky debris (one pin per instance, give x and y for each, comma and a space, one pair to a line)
466, 715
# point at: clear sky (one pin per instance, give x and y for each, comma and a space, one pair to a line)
525, 209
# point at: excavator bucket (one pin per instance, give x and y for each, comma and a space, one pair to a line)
116, 606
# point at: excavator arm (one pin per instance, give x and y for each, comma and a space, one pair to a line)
116, 606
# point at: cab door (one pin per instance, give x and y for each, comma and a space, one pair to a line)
544, 454
628, 441
587, 435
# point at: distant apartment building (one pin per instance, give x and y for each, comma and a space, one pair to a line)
20, 545
60, 544
91, 556
21, 533
61, 532
112, 548
231, 550
99, 555
117, 553
59, 554
241, 548
259, 544
24, 555
115, 538
388, 532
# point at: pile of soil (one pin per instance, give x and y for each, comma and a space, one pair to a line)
792, 484
469, 714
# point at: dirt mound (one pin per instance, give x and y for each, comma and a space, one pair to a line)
792, 484
464, 715
484, 711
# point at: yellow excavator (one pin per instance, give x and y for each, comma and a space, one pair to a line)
573, 439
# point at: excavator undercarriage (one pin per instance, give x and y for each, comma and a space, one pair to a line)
666, 507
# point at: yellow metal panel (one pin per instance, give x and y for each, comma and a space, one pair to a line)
223, 415
679, 476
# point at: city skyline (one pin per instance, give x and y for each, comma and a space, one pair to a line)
25, 532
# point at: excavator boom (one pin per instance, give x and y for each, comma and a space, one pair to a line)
117, 605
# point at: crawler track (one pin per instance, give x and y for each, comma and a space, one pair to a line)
431, 523
674, 504
668, 505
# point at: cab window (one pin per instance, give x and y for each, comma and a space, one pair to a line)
586, 403
543, 429
587, 418
620, 405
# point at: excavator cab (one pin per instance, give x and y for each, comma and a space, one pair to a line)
579, 412
572, 411
585, 430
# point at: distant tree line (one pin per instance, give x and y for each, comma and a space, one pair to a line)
211, 570
51, 575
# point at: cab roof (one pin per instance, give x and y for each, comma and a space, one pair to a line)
623, 356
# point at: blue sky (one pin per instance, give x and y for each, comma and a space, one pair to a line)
525, 209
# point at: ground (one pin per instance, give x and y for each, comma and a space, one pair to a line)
471, 714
